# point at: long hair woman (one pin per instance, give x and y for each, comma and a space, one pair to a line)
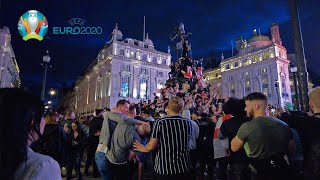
20, 116
75, 145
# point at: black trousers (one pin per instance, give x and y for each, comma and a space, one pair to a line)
275, 168
239, 171
119, 171
74, 163
91, 159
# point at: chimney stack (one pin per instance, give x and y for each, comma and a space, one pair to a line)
275, 34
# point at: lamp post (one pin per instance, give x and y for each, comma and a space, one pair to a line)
45, 65
294, 70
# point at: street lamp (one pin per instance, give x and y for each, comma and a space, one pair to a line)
52, 92
49, 102
45, 65
294, 70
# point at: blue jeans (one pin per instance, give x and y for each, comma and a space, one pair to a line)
103, 165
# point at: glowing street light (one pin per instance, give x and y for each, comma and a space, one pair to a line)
49, 102
52, 92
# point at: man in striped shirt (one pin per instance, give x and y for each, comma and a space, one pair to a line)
170, 135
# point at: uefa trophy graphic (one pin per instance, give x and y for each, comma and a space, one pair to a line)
33, 25
33, 21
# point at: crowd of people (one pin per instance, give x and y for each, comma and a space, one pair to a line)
182, 135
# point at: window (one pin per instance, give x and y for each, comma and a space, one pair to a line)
144, 71
124, 85
227, 66
236, 64
264, 87
154, 59
266, 56
160, 74
122, 52
126, 68
132, 54
106, 85
248, 89
264, 70
246, 74
164, 61
98, 89
143, 88
144, 57
271, 54
232, 90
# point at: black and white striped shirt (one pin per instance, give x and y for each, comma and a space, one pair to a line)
172, 155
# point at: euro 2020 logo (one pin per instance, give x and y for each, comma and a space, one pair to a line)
33, 25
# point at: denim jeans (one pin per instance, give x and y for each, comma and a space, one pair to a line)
103, 165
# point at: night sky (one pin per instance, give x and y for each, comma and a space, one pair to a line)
213, 24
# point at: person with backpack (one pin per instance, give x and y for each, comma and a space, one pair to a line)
53, 139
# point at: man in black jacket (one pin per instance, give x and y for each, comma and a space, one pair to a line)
93, 141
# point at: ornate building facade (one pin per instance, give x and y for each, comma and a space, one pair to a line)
9, 69
261, 65
124, 69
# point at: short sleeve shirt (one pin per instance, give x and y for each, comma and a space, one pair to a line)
266, 137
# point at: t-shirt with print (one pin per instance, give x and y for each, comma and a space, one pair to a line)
266, 137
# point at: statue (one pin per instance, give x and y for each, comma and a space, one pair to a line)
183, 47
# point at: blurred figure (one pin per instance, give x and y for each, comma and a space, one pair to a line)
93, 141
20, 116
54, 139
308, 130
239, 160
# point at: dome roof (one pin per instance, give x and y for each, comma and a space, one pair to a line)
116, 32
148, 41
256, 38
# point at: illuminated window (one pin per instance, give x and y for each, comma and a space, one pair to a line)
266, 56
264, 87
271, 54
246, 74
98, 89
264, 70
124, 92
106, 85
143, 88
248, 89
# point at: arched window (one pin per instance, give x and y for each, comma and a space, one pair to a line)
264, 87
248, 86
124, 85
143, 84
232, 90
98, 89
106, 84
